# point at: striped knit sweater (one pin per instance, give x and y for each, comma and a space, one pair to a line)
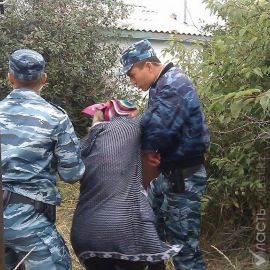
113, 218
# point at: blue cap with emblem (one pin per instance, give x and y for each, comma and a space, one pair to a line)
26, 65
136, 52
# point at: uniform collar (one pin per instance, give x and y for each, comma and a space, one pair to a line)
165, 69
24, 93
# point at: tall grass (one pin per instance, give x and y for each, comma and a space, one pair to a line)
228, 242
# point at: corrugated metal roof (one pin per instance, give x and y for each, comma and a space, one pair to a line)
143, 19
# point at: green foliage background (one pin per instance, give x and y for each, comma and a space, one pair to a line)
74, 36
231, 72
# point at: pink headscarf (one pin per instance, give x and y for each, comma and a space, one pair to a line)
111, 108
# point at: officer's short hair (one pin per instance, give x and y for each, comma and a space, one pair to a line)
154, 60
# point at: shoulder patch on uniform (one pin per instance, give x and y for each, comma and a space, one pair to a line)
58, 107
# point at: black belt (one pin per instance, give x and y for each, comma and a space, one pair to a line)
43, 208
176, 177
18, 198
183, 163
190, 170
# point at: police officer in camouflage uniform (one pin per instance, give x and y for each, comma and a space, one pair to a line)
38, 141
174, 129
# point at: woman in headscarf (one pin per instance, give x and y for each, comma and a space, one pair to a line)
113, 225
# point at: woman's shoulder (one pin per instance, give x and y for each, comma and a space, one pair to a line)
122, 120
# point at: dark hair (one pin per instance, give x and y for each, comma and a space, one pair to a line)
27, 83
154, 60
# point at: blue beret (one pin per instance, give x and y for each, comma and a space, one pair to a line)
136, 52
26, 65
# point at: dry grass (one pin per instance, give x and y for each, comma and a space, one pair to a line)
226, 242
64, 216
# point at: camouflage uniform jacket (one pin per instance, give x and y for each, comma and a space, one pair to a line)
38, 140
174, 124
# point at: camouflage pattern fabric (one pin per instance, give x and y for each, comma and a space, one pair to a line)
38, 141
26, 65
25, 231
174, 126
136, 52
174, 123
178, 217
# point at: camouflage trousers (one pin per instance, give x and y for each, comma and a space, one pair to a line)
178, 217
26, 230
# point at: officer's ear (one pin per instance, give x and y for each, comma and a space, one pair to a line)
148, 65
151, 67
10, 78
43, 78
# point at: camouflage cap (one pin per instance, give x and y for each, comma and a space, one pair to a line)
136, 52
26, 65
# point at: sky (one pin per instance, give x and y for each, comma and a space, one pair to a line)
196, 10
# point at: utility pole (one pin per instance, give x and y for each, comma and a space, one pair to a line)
185, 11
2, 10
2, 244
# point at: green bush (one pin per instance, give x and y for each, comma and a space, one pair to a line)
231, 73
78, 43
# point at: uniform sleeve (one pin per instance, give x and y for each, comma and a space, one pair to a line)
70, 166
163, 122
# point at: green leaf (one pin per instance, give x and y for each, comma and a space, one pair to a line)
235, 203
229, 96
265, 102
242, 32
248, 92
221, 118
252, 41
236, 108
258, 71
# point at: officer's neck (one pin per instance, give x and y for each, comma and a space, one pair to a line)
157, 71
34, 87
